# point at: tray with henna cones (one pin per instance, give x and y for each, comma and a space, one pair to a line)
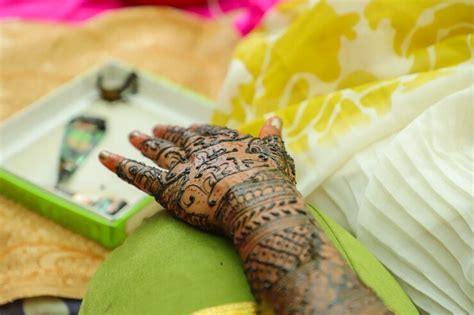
48, 152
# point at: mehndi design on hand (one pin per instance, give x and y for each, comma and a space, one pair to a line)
220, 180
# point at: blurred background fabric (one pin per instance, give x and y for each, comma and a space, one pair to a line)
53, 10
37, 57
37, 256
247, 16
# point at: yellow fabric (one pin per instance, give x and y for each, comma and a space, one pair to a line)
293, 59
334, 67
346, 77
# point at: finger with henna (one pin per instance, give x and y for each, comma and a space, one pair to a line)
146, 178
164, 153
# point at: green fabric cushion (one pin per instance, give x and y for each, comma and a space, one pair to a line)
169, 267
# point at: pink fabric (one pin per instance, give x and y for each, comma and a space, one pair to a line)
251, 11
80, 10
55, 10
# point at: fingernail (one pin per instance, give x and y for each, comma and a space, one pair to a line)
134, 133
276, 122
193, 127
104, 155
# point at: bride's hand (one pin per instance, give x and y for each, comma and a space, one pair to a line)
197, 166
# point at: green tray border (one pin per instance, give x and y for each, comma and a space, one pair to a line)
67, 213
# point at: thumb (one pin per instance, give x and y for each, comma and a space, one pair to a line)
271, 127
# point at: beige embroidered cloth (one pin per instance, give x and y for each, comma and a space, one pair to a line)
37, 256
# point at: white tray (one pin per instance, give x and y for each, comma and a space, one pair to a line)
30, 141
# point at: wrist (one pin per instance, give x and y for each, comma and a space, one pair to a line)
257, 203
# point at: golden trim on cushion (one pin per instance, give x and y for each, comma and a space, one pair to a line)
241, 308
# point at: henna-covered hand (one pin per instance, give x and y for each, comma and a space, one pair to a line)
221, 180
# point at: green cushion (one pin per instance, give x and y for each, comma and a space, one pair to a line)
169, 267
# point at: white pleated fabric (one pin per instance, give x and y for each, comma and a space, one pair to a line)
410, 199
